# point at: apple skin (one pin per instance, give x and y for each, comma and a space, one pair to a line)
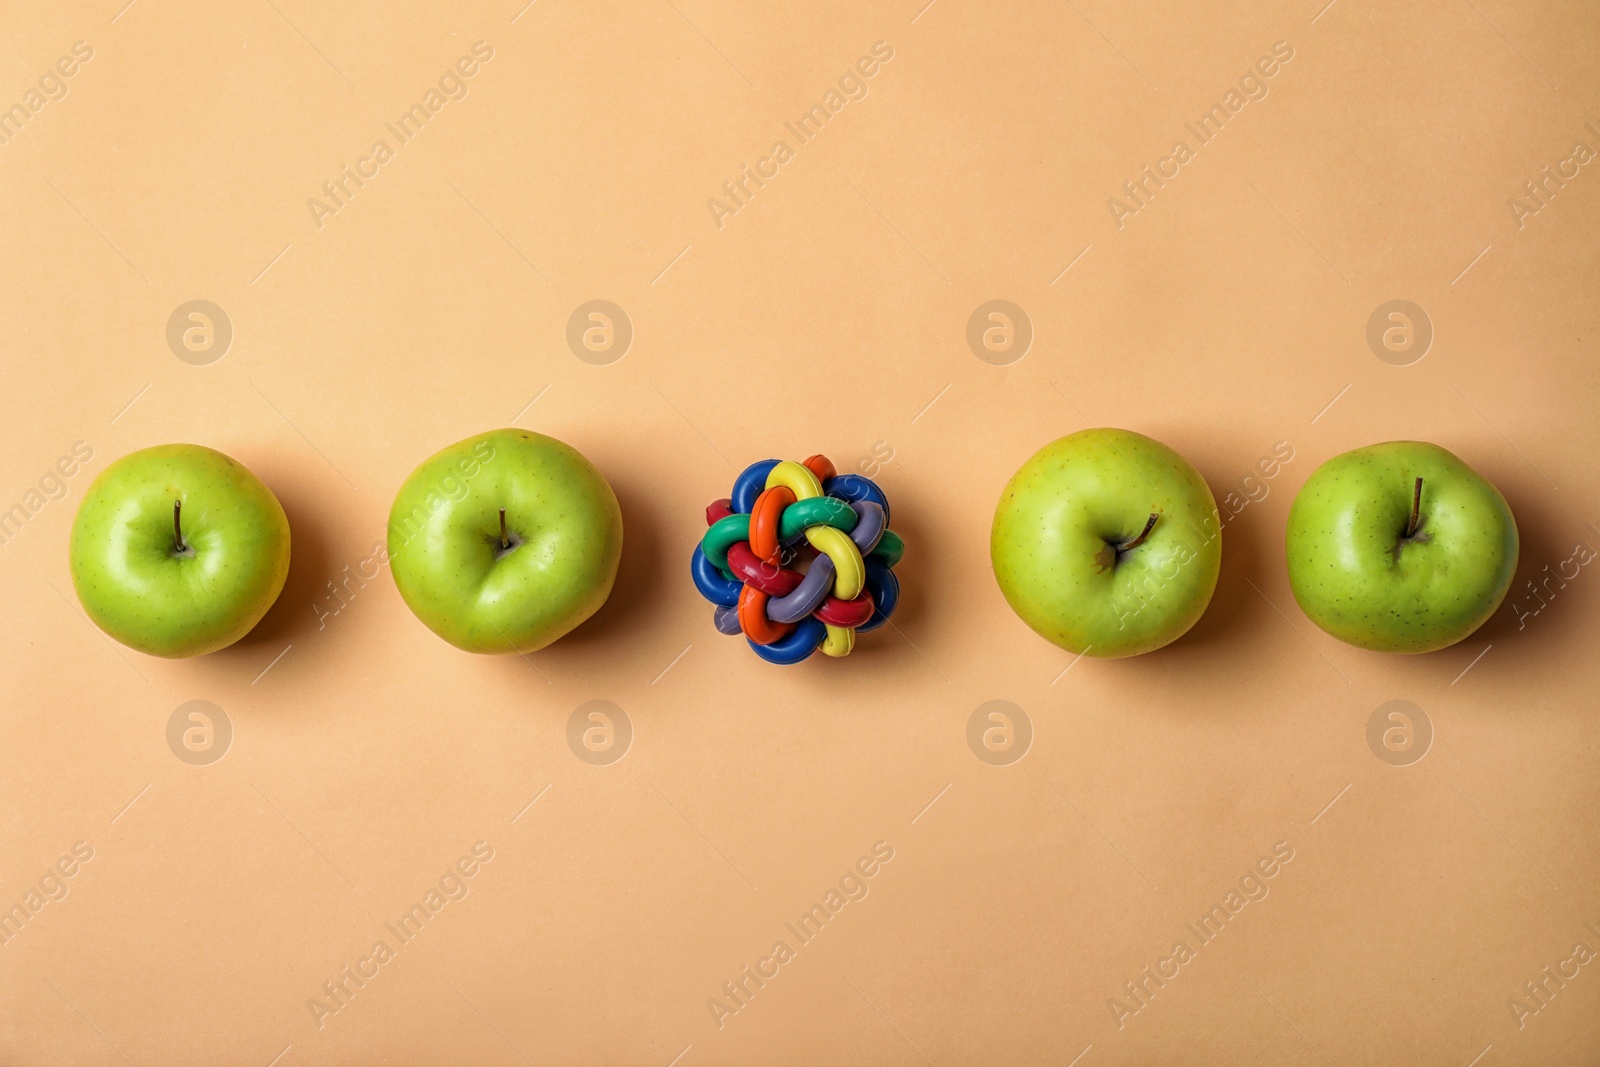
1058, 520
444, 541
1353, 576
137, 588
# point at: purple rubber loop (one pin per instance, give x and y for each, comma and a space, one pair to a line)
727, 619
807, 596
870, 524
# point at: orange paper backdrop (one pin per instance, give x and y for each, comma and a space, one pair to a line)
1196, 219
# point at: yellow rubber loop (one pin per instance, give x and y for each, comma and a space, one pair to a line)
839, 642
796, 478
849, 572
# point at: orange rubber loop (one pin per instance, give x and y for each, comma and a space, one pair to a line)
821, 466
753, 618
764, 519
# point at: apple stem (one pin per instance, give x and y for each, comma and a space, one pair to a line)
1416, 504
177, 527
504, 544
1137, 541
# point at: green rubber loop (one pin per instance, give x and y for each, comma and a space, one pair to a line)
890, 548
723, 535
814, 511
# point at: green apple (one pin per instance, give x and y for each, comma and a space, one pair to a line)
1107, 543
178, 550
1400, 547
505, 541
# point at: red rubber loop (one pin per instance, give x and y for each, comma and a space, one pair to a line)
774, 581
848, 613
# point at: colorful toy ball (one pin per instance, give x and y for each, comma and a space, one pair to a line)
799, 558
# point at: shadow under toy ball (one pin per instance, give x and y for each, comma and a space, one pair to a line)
799, 557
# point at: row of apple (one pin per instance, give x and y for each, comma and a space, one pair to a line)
1105, 542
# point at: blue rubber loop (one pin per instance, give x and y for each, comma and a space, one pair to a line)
712, 583
885, 590
795, 646
853, 487
748, 485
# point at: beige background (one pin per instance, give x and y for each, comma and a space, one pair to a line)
829, 314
